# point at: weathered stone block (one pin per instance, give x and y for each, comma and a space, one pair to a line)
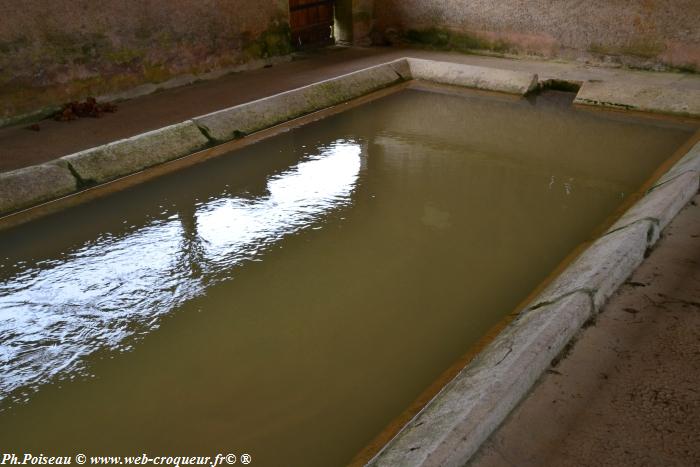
489, 79
127, 156
402, 67
27, 187
623, 95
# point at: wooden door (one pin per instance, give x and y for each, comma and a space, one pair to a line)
311, 22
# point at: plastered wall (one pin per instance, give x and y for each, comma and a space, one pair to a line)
52, 52
652, 34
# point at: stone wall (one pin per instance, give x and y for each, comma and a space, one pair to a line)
363, 20
652, 34
52, 52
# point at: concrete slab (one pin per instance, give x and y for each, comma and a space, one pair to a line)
26, 187
489, 79
644, 98
105, 163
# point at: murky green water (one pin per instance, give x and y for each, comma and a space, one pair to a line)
291, 299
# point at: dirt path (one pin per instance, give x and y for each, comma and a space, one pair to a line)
628, 392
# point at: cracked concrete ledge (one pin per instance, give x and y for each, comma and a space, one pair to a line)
657, 99
124, 157
488, 79
452, 426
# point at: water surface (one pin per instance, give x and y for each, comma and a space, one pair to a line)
292, 298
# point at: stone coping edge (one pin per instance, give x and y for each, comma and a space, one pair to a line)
656, 99
23, 188
454, 424
488, 79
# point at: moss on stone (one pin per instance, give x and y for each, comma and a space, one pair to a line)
274, 41
686, 68
433, 37
125, 55
444, 39
68, 48
13, 46
156, 73
639, 48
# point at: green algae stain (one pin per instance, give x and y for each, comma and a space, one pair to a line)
431, 37
156, 73
274, 41
66, 48
13, 46
443, 39
125, 55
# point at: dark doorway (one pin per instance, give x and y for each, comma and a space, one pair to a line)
311, 22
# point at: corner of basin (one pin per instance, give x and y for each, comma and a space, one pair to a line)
454, 424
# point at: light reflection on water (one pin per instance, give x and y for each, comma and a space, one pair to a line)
97, 296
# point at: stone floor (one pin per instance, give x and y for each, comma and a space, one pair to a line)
20, 147
628, 391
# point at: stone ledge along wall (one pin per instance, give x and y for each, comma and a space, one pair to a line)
650, 34
53, 52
